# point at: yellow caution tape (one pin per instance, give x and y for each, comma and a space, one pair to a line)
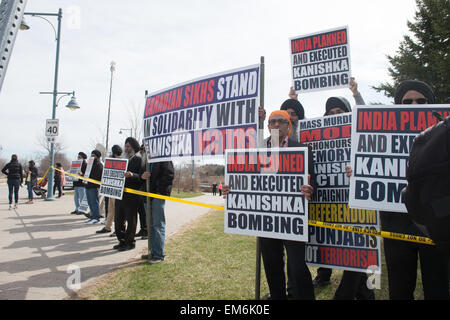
147, 194
383, 234
43, 177
379, 233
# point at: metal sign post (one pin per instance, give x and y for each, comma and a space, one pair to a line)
260, 145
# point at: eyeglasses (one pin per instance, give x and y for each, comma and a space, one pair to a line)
280, 121
418, 101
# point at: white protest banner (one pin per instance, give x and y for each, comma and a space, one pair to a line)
382, 137
113, 178
203, 117
265, 198
330, 142
84, 206
75, 168
321, 61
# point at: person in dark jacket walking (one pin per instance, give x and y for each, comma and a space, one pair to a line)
58, 180
31, 179
15, 179
126, 209
92, 188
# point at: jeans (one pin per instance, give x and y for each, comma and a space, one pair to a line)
158, 228
94, 204
78, 196
13, 186
30, 190
57, 185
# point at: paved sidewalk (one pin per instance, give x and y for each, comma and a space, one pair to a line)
40, 242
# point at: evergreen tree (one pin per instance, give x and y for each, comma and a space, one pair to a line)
426, 55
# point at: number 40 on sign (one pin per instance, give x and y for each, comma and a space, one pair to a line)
52, 128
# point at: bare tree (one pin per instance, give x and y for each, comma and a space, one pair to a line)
135, 115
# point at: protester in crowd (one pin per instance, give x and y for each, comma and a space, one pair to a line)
220, 189
116, 152
161, 176
58, 176
143, 233
92, 188
31, 179
401, 256
78, 186
353, 284
126, 209
13, 170
273, 249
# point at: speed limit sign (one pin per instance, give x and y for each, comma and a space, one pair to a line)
52, 128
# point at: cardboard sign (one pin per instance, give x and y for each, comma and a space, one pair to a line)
265, 198
321, 61
330, 141
113, 179
203, 117
75, 168
382, 137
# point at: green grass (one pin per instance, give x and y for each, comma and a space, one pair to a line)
205, 263
185, 194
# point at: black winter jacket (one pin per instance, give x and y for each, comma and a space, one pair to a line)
96, 174
161, 178
33, 173
135, 166
14, 171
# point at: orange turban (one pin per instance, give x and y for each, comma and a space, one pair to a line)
285, 115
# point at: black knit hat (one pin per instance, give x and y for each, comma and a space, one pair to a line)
82, 154
337, 102
415, 85
116, 150
296, 106
97, 153
133, 143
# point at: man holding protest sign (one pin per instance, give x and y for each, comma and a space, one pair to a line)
401, 256
126, 209
92, 188
272, 250
116, 152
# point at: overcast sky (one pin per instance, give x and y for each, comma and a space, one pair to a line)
158, 44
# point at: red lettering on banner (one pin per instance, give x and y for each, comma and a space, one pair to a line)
348, 257
215, 141
330, 39
118, 165
300, 45
199, 93
325, 133
163, 102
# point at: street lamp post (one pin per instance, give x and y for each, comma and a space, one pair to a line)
131, 131
112, 69
55, 92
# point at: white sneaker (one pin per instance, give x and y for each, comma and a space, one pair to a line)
103, 222
15, 206
93, 221
88, 220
